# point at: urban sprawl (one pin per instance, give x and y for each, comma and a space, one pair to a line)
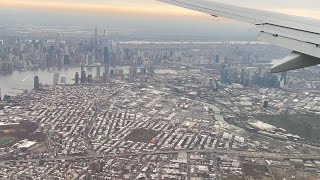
157, 110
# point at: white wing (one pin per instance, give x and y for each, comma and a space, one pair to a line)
302, 35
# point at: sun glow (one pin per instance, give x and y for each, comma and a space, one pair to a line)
124, 8
104, 9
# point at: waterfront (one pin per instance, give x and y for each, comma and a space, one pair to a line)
18, 81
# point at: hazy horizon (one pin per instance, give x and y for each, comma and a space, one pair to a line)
143, 18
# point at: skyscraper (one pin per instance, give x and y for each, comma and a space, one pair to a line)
112, 73
90, 78
106, 61
36, 83
90, 59
82, 68
284, 77
51, 56
55, 78
217, 61
58, 41
98, 71
76, 79
132, 73
96, 38
83, 75
66, 60
224, 74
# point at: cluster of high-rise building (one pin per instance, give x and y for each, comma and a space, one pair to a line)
31, 54
24, 53
194, 118
252, 76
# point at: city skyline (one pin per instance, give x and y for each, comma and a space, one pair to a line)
143, 19
190, 111
138, 89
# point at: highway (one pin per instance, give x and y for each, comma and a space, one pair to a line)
221, 152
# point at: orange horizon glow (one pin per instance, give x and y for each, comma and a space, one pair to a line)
301, 12
124, 9
102, 9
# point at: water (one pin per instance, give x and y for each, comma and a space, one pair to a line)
16, 82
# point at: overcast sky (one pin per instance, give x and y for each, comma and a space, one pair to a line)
142, 15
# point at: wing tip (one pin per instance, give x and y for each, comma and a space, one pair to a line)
295, 60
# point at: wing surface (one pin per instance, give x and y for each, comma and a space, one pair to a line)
302, 35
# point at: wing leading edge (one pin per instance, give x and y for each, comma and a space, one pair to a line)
302, 35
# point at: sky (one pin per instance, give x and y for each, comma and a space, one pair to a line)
309, 8
148, 17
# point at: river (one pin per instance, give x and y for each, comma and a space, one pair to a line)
16, 82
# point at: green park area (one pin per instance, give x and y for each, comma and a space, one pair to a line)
5, 140
306, 126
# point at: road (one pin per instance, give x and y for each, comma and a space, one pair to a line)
221, 152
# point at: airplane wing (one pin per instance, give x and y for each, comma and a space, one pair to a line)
302, 35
